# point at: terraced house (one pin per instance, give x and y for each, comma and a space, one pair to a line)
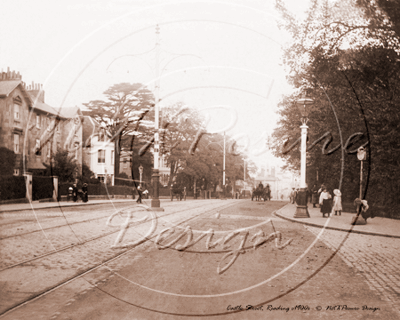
33, 129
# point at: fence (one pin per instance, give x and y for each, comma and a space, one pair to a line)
98, 189
12, 187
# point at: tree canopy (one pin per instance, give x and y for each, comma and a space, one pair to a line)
345, 55
124, 107
204, 162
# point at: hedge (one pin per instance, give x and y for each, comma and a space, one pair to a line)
42, 187
12, 187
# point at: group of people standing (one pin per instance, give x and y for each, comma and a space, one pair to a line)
327, 201
74, 192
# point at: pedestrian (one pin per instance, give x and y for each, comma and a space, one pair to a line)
85, 196
184, 193
292, 195
325, 202
139, 191
314, 196
145, 194
337, 202
75, 192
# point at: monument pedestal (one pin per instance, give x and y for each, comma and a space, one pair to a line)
301, 203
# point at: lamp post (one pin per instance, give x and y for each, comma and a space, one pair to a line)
155, 201
301, 198
362, 156
140, 173
223, 168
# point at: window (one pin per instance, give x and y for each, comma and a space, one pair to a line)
16, 143
16, 172
101, 156
38, 152
16, 112
38, 121
112, 156
76, 145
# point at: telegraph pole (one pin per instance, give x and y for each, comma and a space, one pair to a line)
155, 201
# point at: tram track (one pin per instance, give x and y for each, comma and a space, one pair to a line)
80, 242
53, 227
122, 251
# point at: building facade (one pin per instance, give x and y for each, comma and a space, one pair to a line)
98, 150
33, 129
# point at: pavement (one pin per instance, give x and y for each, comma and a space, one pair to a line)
375, 226
35, 205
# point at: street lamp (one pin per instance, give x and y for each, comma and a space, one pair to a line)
140, 173
301, 198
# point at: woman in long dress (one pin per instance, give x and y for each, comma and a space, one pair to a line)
325, 202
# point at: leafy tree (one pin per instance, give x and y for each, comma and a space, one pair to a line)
124, 106
7, 160
64, 166
202, 164
350, 66
180, 127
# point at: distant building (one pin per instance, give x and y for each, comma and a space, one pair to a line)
98, 150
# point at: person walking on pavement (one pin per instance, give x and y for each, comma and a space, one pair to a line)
337, 202
85, 196
293, 195
314, 195
139, 191
325, 202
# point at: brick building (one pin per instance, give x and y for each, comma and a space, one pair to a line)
33, 129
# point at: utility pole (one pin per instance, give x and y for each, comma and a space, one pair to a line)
155, 201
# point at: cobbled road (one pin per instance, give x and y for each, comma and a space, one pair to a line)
375, 258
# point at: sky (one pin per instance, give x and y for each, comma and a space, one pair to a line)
222, 57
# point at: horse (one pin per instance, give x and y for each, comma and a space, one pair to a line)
177, 191
261, 193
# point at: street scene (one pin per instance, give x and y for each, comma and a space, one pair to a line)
195, 159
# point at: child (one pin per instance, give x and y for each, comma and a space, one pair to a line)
337, 202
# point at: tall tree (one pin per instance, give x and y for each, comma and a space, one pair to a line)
124, 106
348, 59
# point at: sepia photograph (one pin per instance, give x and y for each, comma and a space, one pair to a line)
199, 159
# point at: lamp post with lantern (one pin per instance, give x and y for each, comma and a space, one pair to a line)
301, 199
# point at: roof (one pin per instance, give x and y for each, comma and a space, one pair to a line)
6, 87
45, 108
70, 112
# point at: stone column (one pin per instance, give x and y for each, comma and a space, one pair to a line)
55, 188
28, 185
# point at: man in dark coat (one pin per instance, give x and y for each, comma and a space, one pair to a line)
139, 191
314, 195
85, 196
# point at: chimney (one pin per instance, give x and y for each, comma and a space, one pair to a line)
9, 75
36, 90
